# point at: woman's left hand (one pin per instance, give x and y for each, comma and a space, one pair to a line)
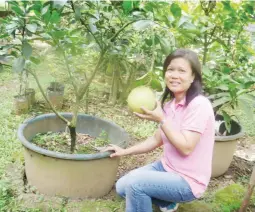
156, 115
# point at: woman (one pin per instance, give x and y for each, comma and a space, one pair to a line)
186, 132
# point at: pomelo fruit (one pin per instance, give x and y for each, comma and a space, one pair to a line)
141, 96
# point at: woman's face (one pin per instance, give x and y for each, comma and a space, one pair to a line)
179, 76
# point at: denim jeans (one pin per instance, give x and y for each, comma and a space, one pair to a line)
151, 184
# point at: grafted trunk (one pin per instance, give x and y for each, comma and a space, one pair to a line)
73, 137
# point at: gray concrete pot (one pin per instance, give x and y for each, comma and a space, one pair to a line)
224, 147
70, 175
21, 104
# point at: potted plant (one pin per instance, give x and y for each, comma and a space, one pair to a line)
21, 101
229, 93
55, 94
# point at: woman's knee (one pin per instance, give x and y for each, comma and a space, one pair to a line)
124, 182
121, 185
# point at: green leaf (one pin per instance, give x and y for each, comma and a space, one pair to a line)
165, 46
55, 17
142, 24
148, 41
4, 35
227, 120
218, 95
31, 27
45, 9
176, 10
127, 6
58, 4
143, 80
46, 17
58, 34
247, 98
26, 49
36, 6
221, 101
18, 65
11, 26
18, 10
35, 60
226, 70
188, 26
223, 87
92, 26
248, 84
3, 58
182, 20
156, 85
247, 108
77, 13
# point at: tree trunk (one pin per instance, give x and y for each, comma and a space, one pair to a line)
87, 101
126, 86
73, 137
115, 86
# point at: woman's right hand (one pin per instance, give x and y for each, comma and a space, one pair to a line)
118, 151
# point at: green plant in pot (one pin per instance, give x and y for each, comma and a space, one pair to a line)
21, 101
229, 92
20, 28
88, 175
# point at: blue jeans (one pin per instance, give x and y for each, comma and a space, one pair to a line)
152, 184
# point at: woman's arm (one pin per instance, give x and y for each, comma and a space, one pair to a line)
148, 145
184, 141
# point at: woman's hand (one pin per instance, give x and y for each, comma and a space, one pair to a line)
118, 151
156, 115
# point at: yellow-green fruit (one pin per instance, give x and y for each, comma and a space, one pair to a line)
141, 96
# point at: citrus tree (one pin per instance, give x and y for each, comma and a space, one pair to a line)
71, 28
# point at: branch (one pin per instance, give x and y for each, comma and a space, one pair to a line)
153, 52
83, 89
70, 73
211, 35
85, 25
220, 41
121, 29
46, 98
4, 64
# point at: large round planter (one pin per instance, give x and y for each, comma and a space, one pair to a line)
70, 175
224, 147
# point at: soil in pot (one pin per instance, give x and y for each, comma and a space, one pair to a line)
30, 93
21, 104
61, 142
55, 93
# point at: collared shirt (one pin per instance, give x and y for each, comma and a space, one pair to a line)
198, 116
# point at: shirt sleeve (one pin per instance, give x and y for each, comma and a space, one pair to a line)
196, 115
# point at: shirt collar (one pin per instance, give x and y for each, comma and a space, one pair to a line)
181, 103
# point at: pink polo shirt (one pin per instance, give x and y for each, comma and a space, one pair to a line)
198, 116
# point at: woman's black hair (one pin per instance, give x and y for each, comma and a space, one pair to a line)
196, 86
